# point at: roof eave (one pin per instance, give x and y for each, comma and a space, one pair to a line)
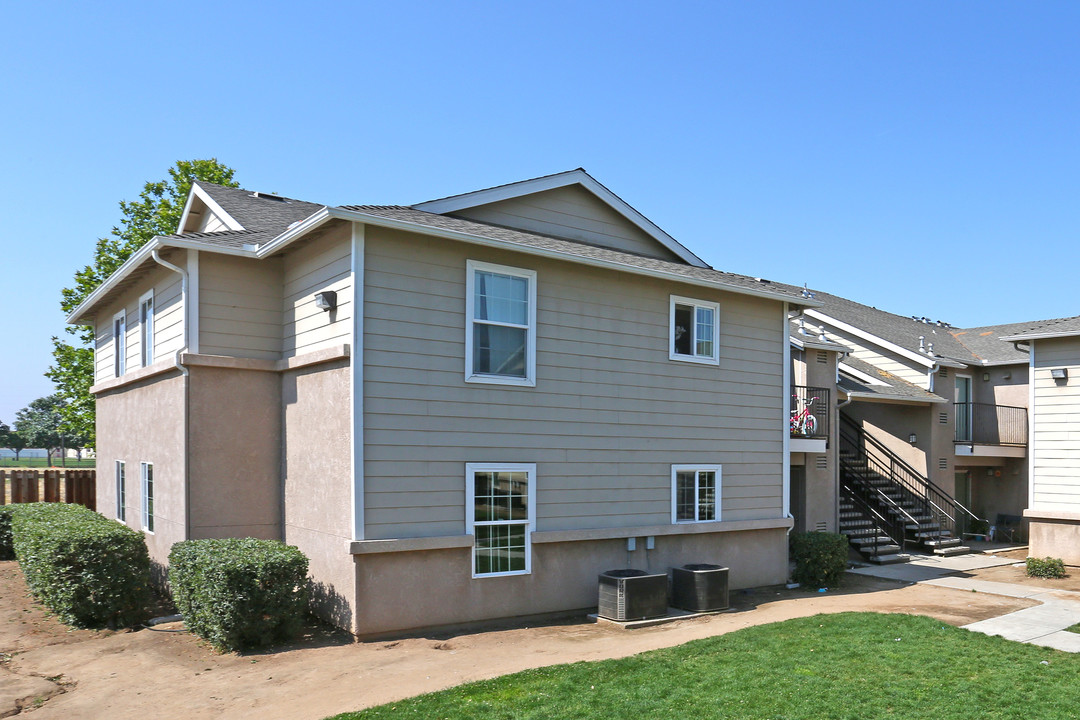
1040, 336
358, 216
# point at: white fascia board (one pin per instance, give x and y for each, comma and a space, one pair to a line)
1040, 336
925, 360
141, 256
896, 399
305, 226
808, 342
860, 375
558, 180
211, 205
357, 216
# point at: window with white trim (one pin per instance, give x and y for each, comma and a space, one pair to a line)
500, 515
147, 472
695, 331
121, 490
500, 325
695, 493
119, 343
146, 325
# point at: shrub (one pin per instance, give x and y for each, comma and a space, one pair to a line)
7, 551
239, 592
820, 558
1045, 567
88, 570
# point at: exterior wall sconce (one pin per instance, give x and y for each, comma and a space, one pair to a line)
1059, 373
912, 438
326, 300
986, 377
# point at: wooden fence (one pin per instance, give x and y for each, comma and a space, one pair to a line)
70, 486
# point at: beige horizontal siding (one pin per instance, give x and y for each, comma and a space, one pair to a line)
570, 212
240, 306
1056, 420
610, 413
324, 264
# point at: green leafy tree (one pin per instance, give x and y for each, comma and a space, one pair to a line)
156, 212
40, 424
11, 440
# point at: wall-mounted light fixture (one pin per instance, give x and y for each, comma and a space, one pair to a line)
986, 377
1059, 373
912, 438
327, 300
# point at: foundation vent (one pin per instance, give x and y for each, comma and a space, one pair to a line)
943, 464
943, 418
822, 462
822, 357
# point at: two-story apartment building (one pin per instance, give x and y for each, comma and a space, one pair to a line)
459, 410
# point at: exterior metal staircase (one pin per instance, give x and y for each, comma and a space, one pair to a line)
886, 507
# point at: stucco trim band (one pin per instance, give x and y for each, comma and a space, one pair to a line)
1061, 515
367, 547
159, 368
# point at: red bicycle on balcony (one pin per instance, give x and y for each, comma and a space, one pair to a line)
803, 421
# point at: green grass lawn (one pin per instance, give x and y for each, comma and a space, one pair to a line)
43, 463
851, 665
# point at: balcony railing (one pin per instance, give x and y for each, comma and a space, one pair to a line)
809, 412
987, 424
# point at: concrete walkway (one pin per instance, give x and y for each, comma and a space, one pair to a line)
1043, 624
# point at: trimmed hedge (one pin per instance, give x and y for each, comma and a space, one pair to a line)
87, 569
7, 550
1047, 567
238, 593
820, 558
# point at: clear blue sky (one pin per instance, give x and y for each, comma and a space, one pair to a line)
920, 157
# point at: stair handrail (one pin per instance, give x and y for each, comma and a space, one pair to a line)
885, 499
860, 440
882, 525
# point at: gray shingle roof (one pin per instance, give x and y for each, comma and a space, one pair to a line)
985, 342
1060, 326
227, 238
259, 213
572, 248
894, 387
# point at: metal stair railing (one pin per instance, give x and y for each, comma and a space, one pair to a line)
883, 525
875, 496
936, 503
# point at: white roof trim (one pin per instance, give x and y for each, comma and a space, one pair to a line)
379, 221
860, 375
897, 399
551, 182
211, 205
925, 360
1023, 337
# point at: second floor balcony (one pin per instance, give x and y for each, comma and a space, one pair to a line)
810, 412
985, 425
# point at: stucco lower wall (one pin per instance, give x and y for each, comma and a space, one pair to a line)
143, 422
235, 440
402, 591
316, 462
1054, 537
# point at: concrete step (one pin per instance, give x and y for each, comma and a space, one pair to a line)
867, 542
891, 559
950, 551
942, 542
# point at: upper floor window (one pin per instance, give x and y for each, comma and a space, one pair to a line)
500, 327
119, 343
146, 321
695, 493
695, 330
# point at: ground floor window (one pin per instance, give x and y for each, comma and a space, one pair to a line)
121, 490
147, 471
500, 515
695, 493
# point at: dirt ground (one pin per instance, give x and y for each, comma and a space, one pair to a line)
48, 671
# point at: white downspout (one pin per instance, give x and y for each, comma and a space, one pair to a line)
184, 299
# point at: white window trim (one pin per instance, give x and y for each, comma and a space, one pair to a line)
675, 470
145, 505
714, 359
121, 491
119, 345
146, 329
471, 266
470, 512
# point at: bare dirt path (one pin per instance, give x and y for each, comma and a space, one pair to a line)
54, 672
